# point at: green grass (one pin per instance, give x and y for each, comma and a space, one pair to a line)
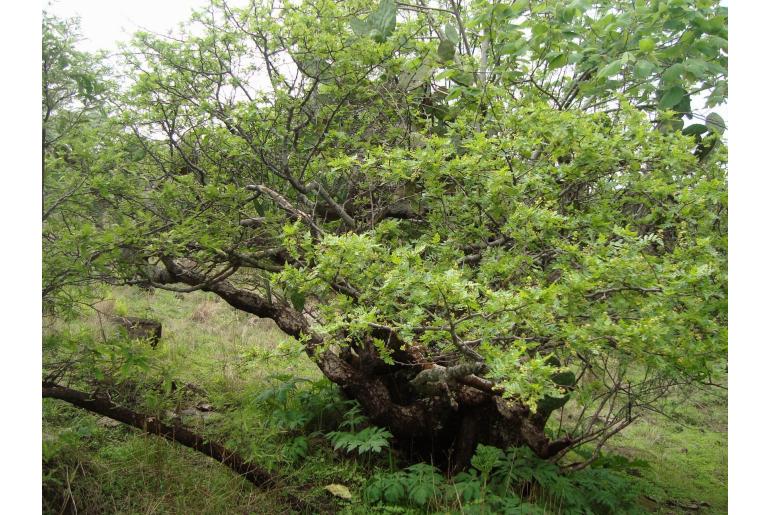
687, 455
117, 470
234, 357
227, 354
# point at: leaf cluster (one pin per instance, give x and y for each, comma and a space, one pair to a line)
512, 482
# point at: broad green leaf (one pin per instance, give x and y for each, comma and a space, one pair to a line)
383, 20
451, 33
611, 69
672, 97
684, 105
643, 69
697, 67
695, 128
297, 300
557, 61
673, 74
455, 92
393, 491
380, 24
646, 45
446, 50
360, 27
672, 125
715, 123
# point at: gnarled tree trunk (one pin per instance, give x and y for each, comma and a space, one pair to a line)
443, 417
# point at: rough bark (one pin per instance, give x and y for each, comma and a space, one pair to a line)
152, 425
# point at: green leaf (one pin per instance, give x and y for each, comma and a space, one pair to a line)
462, 78
297, 300
697, 67
455, 92
643, 69
695, 128
380, 24
360, 27
646, 45
684, 105
611, 69
715, 123
672, 97
451, 33
557, 61
393, 491
513, 47
383, 20
566, 378
420, 493
410, 80
673, 74
672, 125
446, 50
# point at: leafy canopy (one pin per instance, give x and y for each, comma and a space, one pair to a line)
507, 184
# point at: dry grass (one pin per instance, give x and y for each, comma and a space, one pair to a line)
205, 311
105, 307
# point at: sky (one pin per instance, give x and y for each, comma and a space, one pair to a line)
105, 22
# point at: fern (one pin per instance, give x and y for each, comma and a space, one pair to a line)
370, 439
353, 417
467, 486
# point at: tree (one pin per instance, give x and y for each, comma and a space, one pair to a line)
472, 215
74, 111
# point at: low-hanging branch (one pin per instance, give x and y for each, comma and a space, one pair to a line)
152, 425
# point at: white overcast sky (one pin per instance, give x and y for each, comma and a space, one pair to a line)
105, 22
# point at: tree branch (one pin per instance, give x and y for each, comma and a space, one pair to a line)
152, 425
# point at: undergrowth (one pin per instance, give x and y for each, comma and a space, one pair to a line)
267, 401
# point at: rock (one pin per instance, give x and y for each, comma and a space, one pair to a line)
141, 328
204, 406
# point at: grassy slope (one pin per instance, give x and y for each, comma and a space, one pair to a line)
688, 455
232, 356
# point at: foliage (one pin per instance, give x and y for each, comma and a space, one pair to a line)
369, 439
74, 91
380, 24
504, 187
499, 482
